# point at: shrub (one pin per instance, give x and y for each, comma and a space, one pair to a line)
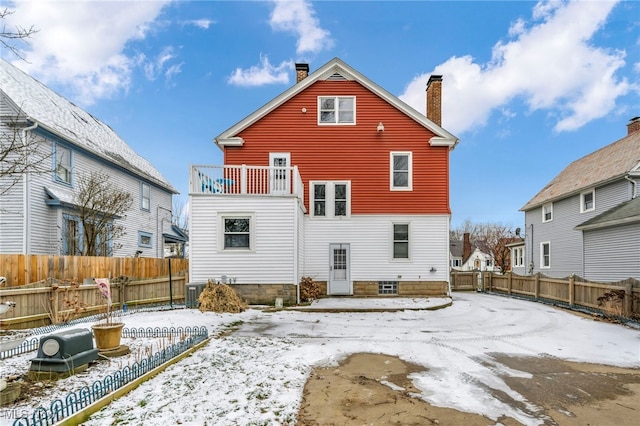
309, 290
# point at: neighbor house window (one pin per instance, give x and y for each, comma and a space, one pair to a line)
330, 199
336, 110
517, 256
587, 201
63, 164
456, 263
545, 255
401, 170
547, 212
400, 240
71, 239
145, 239
145, 196
237, 232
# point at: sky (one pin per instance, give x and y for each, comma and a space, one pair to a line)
528, 87
256, 375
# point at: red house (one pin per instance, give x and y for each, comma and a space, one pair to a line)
335, 179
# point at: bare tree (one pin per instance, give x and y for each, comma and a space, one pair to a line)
100, 204
180, 216
490, 238
9, 37
21, 152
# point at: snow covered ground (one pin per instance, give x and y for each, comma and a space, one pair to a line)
256, 375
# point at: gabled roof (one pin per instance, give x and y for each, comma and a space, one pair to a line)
326, 72
622, 214
61, 117
605, 165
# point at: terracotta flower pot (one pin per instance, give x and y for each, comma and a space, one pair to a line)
107, 336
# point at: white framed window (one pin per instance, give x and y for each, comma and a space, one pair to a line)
237, 231
400, 241
145, 239
545, 255
456, 263
401, 171
517, 256
547, 212
62, 164
145, 196
330, 199
336, 110
588, 201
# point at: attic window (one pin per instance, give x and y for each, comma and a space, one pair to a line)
336, 110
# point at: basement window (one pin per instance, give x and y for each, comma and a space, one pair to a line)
387, 287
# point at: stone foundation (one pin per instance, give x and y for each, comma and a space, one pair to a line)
266, 294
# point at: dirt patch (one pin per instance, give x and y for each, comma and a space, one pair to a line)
373, 389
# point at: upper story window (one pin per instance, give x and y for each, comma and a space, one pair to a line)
336, 110
63, 164
330, 199
547, 212
588, 201
145, 196
401, 171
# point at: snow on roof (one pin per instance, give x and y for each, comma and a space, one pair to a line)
62, 117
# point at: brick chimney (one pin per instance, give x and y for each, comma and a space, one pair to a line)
302, 71
633, 126
466, 247
434, 99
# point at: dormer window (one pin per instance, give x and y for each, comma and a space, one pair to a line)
336, 110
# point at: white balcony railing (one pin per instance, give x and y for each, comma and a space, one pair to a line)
250, 180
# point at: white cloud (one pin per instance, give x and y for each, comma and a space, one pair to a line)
298, 17
200, 23
152, 69
265, 73
81, 43
550, 64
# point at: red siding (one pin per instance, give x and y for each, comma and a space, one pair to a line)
357, 153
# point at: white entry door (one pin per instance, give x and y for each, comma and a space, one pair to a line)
279, 175
339, 269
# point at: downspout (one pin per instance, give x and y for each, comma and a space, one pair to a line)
634, 184
25, 193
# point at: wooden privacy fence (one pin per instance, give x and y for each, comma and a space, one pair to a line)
40, 306
622, 299
21, 269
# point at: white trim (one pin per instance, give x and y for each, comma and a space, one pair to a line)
550, 205
392, 241
441, 138
593, 200
542, 265
409, 186
336, 110
252, 231
329, 193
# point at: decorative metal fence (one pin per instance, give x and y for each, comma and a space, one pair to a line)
87, 395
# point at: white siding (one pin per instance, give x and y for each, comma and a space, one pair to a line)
612, 254
371, 243
274, 256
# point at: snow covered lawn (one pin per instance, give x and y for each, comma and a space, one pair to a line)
256, 374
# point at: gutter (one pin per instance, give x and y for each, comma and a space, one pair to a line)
26, 217
634, 184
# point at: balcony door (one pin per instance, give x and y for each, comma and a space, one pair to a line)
279, 173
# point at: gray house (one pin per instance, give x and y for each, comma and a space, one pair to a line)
586, 221
37, 211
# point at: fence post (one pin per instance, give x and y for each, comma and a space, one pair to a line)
571, 289
452, 279
54, 305
628, 300
537, 286
509, 284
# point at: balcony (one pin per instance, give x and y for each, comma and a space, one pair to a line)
246, 180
